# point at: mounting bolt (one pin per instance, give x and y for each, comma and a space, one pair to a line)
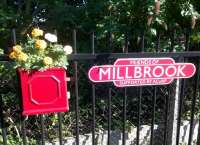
68, 79
68, 95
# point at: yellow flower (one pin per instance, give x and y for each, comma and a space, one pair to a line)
47, 61
37, 32
40, 44
12, 55
22, 56
17, 49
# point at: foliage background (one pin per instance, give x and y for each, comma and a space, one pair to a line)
120, 17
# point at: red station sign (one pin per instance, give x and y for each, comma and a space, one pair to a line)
141, 71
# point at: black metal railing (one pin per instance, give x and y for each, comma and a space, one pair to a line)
93, 58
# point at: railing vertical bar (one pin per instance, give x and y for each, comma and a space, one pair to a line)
74, 41
154, 96
126, 43
142, 44
23, 128
4, 134
22, 120
171, 113
124, 117
93, 113
22, 123
158, 42
194, 98
125, 97
109, 115
187, 37
166, 117
139, 112
139, 98
42, 129
76, 103
60, 127
198, 136
92, 42
109, 95
182, 93
76, 90
110, 41
14, 36
172, 40
59, 115
110, 31
153, 115
93, 94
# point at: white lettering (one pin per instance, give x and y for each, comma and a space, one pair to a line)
173, 72
105, 72
161, 71
113, 73
147, 71
180, 71
138, 72
118, 74
127, 76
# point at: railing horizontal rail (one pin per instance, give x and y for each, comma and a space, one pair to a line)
89, 56
99, 56
4, 58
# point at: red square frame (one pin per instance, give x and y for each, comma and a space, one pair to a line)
43, 92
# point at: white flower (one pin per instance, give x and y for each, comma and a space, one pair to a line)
68, 49
51, 37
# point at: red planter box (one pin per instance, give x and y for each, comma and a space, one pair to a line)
43, 91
